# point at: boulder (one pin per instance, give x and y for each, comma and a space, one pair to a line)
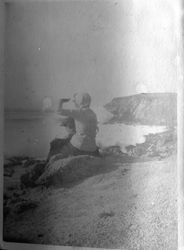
70, 169
32, 174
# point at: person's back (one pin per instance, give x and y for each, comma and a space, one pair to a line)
85, 124
86, 129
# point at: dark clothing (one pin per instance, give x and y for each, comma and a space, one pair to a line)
56, 146
62, 148
70, 150
86, 128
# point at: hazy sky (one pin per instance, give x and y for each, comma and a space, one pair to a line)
106, 48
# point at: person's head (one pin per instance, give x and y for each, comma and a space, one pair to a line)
82, 100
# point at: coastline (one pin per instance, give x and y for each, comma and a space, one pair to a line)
122, 186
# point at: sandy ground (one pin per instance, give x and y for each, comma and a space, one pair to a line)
127, 206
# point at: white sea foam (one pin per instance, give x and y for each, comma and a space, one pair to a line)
124, 135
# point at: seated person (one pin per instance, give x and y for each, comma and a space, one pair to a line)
83, 141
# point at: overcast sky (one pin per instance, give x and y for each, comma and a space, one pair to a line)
106, 48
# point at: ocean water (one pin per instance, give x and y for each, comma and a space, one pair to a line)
30, 133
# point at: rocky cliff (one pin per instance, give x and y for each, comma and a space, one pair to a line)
145, 109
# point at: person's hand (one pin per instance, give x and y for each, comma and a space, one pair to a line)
62, 100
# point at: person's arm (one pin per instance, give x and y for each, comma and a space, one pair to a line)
66, 112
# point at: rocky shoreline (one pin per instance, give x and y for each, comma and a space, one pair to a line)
22, 173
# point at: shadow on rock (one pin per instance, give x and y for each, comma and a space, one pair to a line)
69, 171
32, 174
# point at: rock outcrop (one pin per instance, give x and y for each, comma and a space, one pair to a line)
33, 172
160, 145
68, 170
145, 109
